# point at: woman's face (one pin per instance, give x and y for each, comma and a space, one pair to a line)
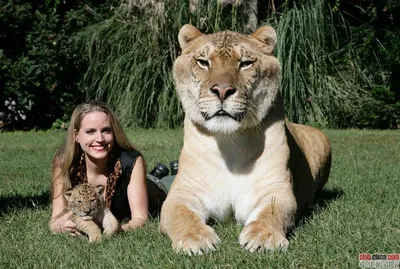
96, 136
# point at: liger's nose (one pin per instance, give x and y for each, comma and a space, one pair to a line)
222, 92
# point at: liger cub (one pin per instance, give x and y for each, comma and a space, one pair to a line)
91, 215
240, 156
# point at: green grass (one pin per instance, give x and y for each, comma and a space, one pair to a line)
359, 211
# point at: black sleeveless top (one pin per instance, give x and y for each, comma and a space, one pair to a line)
119, 202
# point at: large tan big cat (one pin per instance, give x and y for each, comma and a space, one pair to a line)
91, 214
240, 157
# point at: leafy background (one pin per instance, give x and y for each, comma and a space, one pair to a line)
340, 59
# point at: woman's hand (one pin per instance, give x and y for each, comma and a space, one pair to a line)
133, 224
63, 224
60, 221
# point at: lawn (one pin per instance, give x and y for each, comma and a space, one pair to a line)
357, 213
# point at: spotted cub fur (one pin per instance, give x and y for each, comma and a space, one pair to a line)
91, 214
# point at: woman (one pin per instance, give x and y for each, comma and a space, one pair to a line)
97, 151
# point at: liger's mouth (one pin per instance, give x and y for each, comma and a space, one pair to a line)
222, 113
86, 217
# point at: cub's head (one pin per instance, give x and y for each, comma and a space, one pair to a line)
85, 201
227, 81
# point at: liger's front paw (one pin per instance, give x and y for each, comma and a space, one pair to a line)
197, 241
256, 237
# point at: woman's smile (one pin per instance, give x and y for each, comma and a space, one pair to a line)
98, 148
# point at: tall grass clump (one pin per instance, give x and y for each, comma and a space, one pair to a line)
130, 57
320, 75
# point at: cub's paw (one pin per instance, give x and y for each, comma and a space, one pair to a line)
95, 239
197, 241
256, 237
109, 223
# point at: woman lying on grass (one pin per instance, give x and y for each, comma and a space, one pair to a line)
97, 151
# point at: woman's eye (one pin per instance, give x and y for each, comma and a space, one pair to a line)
90, 132
203, 63
246, 64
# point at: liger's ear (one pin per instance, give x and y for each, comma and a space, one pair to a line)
100, 189
267, 35
67, 194
187, 34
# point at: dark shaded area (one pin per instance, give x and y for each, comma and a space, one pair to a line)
325, 197
19, 202
309, 191
322, 200
303, 182
40, 63
301, 139
376, 28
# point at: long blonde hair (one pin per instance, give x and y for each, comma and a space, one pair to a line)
70, 149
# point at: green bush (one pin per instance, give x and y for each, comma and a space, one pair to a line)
315, 79
324, 78
40, 69
130, 57
337, 71
375, 40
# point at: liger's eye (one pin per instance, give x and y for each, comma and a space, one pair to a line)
203, 63
246, 64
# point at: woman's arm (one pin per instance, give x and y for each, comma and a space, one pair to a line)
137, 196
60, 221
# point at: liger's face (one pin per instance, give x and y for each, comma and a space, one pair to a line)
96, 136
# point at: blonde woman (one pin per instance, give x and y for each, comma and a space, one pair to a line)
97, 151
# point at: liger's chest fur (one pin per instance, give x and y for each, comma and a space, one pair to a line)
235, 173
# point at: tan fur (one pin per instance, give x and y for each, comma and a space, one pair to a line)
240, 157
91, 215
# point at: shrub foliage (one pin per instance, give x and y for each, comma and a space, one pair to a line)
40, 68
339, 59
130, 58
